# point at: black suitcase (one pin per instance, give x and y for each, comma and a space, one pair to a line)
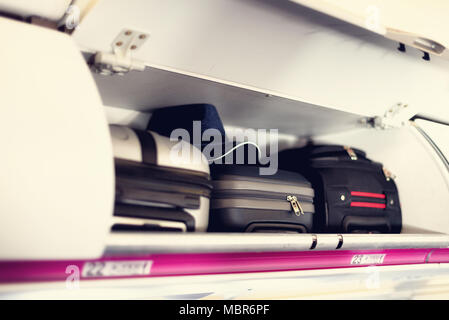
352, 193
244, 201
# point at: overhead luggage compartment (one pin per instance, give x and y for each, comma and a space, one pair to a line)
294, 83
277, 49
264, 65
281, 65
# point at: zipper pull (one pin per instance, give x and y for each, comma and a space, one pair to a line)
351, 153
295, 205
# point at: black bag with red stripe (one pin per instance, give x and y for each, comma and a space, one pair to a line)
352, 193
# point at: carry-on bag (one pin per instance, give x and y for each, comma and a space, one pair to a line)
155, 190
200, 123
244, 201
353, 194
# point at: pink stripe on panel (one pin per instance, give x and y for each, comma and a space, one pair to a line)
158, 265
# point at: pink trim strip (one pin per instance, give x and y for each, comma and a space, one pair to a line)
222, 263
438, 256
367, 194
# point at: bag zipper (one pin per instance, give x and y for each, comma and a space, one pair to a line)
226, 194
293, 200
296, 206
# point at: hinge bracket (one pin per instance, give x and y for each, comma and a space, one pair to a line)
396, 116
120, 60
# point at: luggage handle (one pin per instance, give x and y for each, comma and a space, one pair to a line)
333, 150
366, 225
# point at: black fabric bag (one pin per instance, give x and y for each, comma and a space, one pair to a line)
244, 201
352, 193
166, 120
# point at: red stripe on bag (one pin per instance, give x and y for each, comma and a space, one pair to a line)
368, 205
367, 194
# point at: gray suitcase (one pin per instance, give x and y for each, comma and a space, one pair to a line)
244, 201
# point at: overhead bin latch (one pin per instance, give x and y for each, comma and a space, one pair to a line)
121, 60
395, 117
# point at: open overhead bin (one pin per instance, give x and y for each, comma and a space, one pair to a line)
269, 49
421, 24
263, 64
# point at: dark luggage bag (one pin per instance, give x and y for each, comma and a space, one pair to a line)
244, 201
352, 193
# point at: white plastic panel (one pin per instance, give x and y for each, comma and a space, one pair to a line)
439, 134
135, 244
399, 19
423, 188
276, 47
48, 9
327, 241
132, 243
239, 107
434, 137
57, 176
126, 117
401, 241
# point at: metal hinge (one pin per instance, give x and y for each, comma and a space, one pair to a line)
396, 116
120, 60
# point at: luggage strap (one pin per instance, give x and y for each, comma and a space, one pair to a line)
364, 204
